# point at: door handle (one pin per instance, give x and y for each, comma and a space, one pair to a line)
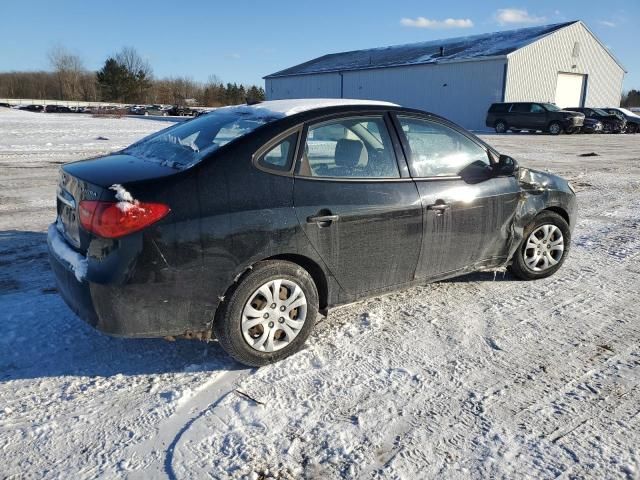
323, 220
440, 208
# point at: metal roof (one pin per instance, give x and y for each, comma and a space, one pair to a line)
494, 44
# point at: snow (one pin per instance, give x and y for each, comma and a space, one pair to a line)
78, 263
285, 108
477, 377
125, 200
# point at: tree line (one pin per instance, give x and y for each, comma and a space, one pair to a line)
631, 99
124, 78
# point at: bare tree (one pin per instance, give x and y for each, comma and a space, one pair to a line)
68, 69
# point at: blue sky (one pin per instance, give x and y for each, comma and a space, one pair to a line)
244, 40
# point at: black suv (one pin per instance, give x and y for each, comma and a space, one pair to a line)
612, 123
547, 117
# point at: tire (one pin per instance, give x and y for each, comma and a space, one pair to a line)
501, 126
520, 266
239, 309
554, 128
632, 128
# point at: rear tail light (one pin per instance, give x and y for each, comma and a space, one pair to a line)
113, 220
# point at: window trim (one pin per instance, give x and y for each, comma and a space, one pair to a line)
264, 149
403, 171
489, 151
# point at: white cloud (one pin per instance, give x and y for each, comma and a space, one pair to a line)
422, 22
607, 23
506, 16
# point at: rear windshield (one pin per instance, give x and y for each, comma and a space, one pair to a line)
185, 144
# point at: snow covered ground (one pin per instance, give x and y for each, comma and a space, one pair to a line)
477, 377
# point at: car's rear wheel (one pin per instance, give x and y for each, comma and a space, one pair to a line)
632, 128
555, 128
544, 247
269, 314
500, 126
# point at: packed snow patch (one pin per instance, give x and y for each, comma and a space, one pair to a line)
61, 249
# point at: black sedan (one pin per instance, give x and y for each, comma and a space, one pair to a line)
610, 123
633, 120
247, 222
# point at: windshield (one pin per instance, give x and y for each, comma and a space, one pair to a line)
551, 107
185, 144
627, 112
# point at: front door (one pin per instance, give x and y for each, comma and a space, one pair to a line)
467, 211
362, 217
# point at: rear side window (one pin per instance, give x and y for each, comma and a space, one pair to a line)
499, 108
440, 151
357, 147
280, 156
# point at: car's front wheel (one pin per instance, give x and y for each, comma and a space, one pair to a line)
632, 128
544, 247
269, 314
555, 128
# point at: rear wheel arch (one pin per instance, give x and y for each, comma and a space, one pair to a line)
317, 274
310, 266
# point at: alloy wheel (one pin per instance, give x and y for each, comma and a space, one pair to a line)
274, 315
544, 248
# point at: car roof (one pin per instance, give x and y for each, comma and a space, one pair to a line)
286, 108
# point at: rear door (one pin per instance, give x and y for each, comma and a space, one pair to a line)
468, 212
357, 204
519, 115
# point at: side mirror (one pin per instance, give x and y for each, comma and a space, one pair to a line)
506, 166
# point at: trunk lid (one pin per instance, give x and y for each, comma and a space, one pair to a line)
117, 168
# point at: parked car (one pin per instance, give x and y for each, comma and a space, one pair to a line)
633, 120
611, 123
159, 110
57, 109
32, 108
198, 229
180, 111
532, 116
592, 125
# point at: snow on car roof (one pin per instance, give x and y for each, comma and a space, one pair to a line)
454, 49
285, 108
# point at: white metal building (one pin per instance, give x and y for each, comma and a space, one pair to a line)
459, 78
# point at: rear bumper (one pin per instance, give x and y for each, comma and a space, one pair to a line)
142, 310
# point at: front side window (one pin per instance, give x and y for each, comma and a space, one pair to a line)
535, 108
440, 151
349, 148
185, 144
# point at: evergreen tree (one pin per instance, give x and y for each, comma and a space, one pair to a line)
114, 81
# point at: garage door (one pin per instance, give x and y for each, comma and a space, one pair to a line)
569, 90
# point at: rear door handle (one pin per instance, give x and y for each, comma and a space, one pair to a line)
438, 207
323, 220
